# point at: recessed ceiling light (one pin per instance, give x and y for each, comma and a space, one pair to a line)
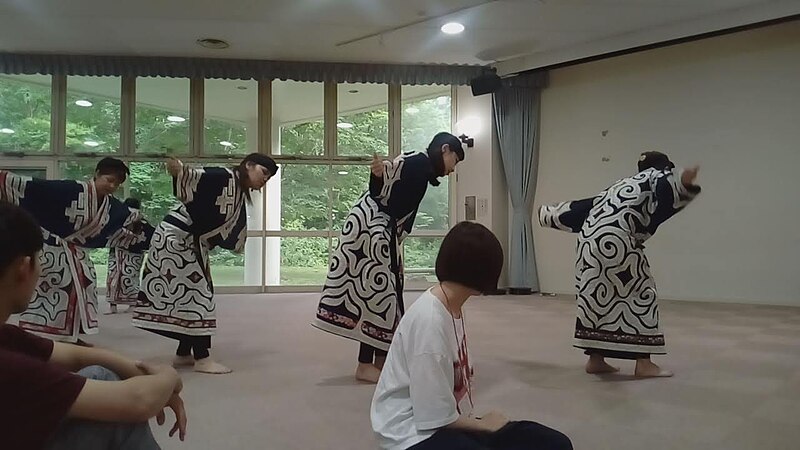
6, 131
343, 172
452, 28
176, 119
226, 143
84, 103
241, 88
344, 125
91, 143
213, 43
412, 110
353, 91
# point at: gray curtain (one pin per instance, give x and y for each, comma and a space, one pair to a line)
516, 118
243, 69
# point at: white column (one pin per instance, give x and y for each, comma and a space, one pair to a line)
255, 212
273, 213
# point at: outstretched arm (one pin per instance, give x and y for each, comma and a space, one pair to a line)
567, 216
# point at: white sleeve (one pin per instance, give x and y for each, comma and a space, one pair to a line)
431, 386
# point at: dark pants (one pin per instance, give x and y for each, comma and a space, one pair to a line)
188, 345
94, 435
615, 354
514, 436
367, 354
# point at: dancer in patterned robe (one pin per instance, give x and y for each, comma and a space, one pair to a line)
363, 294
74, 216
617, 301
176, 295
125, 265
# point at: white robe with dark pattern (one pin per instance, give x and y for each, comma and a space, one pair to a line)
363, 294
617, 299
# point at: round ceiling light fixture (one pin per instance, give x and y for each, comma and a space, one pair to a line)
6, 131
226, 143
213, 43
452, 28
176, 119
344, 125
91, 143
84, 103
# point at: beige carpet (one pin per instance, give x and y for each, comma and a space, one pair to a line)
737, 384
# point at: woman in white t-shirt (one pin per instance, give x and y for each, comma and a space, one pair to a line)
423, 400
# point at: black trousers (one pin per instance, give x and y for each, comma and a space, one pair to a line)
188, 345
514, 436
367, 354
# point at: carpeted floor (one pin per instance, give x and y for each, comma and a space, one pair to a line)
737, 383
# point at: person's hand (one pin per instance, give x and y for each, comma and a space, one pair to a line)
174, 166
494, 420
377, 165
175, 403
689, 175
158, 369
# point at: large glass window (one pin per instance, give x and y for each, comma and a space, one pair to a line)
303, 196
297, 117
231, 117
25, 113
162, 115
303, 261
294, 225
93, 114
363, 119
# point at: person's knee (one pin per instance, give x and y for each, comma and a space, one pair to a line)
553, 439
98, 373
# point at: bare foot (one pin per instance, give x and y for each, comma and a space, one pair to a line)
597, 365
367, 373
646, 369
206, 365
183, 361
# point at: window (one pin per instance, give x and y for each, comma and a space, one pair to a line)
151, 184
304, 196
25, 113
419, 255
93, 114
162, 116
426, 110
303, 261
294, 224
231, 117
362, 128
348, 184
297, 117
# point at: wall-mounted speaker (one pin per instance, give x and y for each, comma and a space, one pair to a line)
485, 84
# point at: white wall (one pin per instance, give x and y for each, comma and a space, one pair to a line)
481, 174
730, 104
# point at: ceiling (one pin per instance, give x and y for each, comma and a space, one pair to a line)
517, 34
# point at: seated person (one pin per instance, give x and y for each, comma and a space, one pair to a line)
45, 404
423, 399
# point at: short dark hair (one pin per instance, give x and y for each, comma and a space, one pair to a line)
654, 160
435, 152
112, 166
470, 255
255, 158
134, 203
20, 235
